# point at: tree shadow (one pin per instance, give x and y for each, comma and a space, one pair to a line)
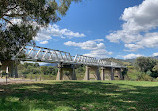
75, 95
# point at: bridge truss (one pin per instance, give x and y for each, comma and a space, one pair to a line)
41, 54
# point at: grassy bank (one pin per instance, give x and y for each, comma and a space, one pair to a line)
80, 95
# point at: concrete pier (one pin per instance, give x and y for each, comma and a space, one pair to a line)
95, 70
70, 75
118, 74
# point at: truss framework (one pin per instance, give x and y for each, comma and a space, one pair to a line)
41, 54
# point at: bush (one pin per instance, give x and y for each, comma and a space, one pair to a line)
132, 74
149, 73
144, 77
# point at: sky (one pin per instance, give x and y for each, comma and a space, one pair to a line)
123, 29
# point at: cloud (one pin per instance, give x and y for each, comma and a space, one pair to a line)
44, 42
97, 49
150, 40
88, 45
155, 54
101, 53
42, 37
99, 40
131, 56
138, 22
46, 33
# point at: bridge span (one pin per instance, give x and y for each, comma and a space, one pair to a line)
102, 69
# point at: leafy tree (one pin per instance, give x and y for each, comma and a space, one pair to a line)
155, 71
27, 64
36, 71
25, 71
44, 69
36, 65
30, 68
145, 64
48, 70
149, 73
80, 70
155, 68
51, 70
29, 16
21, 67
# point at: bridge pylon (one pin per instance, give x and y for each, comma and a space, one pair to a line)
96, 74
69, 75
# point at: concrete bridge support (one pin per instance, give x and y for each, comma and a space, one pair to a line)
118, 74
96, 73
71, 75
112, 73
12, 66
103, 73
107, 73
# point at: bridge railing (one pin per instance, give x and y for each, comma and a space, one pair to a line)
41, 54
36, 53
92, 61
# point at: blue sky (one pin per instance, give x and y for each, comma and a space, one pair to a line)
105, 28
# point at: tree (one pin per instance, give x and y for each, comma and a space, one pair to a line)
145, 64
36, 65
28, 64
51, 70
44, 70
155, 71
30, 15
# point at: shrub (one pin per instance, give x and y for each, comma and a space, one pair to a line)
144, 77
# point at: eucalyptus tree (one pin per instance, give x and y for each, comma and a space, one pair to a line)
145, 64
20, 21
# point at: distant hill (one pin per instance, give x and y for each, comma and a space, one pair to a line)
132, 61
156, 57
125, 62
129, 60
51, 64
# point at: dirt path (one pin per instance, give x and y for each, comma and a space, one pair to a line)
12, 80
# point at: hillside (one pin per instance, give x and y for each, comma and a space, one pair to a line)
126, 62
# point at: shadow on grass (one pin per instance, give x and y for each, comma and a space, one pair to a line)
73, 95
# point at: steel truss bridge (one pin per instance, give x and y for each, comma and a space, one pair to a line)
41, 54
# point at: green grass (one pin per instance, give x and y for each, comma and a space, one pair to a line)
80, 96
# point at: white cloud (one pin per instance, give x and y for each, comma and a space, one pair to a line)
42, 37
46, 33
150, 40
133, 47
89, 45
101, 53
99, 40
155, 54
138, 22
44, 42
131, 56
97, 49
